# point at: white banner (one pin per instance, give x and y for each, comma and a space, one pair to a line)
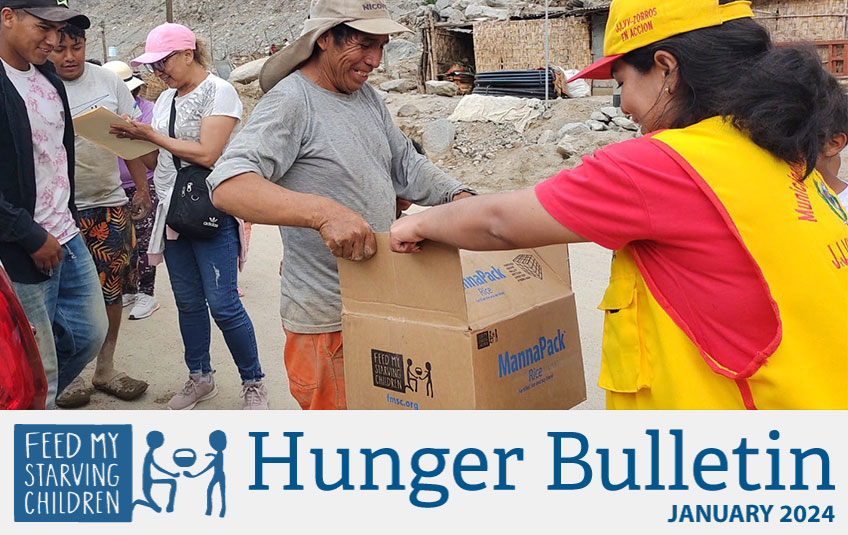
425, 472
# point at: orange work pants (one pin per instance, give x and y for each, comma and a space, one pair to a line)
315, 366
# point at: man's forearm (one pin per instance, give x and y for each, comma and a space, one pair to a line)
427, 185
473, 227
252, 198
138, 173
150, 160
497, 221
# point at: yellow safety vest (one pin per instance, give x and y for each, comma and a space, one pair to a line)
797, 233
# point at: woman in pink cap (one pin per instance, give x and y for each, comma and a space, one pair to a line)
206, 110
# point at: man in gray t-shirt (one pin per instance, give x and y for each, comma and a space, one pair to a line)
321, 153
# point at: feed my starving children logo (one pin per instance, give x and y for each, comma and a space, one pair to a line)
84, 473
392, 372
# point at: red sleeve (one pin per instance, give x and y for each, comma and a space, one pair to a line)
611, 198
636, 193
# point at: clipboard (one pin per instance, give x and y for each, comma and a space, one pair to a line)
93, 125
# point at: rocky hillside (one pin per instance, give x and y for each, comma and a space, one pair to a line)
239, 29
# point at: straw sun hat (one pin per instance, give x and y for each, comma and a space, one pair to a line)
369, 16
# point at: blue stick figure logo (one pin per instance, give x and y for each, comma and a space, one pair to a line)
183, 458
218, 442
155, 439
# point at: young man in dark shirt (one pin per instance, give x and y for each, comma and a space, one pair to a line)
40, 244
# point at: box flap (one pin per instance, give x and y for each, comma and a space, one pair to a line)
556, 256
501, 284
424, 287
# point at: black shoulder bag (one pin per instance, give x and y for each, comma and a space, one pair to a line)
191, 212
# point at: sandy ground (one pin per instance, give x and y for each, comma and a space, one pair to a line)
151, 349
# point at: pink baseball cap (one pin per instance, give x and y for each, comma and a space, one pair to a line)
164, 39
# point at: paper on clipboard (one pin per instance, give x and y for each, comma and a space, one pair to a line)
94, 126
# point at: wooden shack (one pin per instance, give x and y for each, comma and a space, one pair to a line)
824, 23
518, 44
576, 37
444, 47
803, 20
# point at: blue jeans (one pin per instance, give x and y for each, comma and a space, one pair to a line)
69, 316
204, 272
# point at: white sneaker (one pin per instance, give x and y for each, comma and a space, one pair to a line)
129, 299
198, 388
255, 396
144, 306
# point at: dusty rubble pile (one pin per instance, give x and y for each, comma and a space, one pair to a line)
246, 28
607, 118
462, 11
476, 141
494, 156
232, 29
458, 11
574, 138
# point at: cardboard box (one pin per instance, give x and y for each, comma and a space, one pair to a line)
450, 329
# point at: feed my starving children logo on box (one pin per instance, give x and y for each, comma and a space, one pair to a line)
84, 473
394, 372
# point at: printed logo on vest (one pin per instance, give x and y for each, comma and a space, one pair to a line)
831, 201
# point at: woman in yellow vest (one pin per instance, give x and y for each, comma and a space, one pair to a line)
729, 283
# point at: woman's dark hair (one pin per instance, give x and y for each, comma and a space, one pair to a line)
778, 95
839, 109
788, 104
708, 62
